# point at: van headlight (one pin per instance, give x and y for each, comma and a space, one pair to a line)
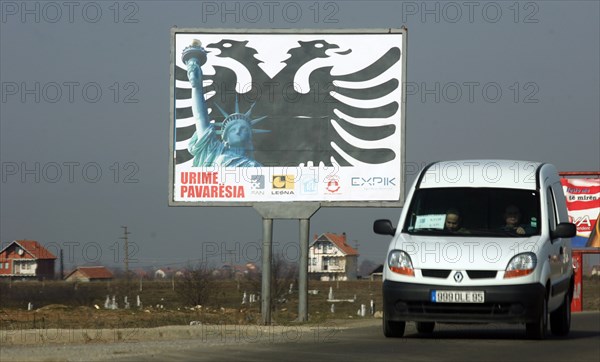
520, 265
399, 262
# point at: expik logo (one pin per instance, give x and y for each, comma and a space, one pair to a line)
332, 184
308, 186
283, 185
257, 184
373, 182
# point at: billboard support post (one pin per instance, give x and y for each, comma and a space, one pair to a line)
303, 272
577, 300
301, 211
267, 247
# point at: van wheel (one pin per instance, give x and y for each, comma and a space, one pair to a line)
393, 329
560, 319
537, 329
425, 327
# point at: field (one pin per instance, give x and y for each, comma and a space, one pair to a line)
65, 305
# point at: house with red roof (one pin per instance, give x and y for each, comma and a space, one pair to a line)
26, 259
89, 274
331, 258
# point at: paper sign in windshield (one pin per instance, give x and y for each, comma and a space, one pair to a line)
435, 221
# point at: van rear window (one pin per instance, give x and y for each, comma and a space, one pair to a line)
474, 212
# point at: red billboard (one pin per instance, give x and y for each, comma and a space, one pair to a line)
583, 203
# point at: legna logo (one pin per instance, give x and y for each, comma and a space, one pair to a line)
283, 185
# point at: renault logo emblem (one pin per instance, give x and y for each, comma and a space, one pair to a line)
458, 277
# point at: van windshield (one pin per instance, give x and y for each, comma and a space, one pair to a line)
474, 212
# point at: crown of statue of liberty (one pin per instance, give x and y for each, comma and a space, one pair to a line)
237, 117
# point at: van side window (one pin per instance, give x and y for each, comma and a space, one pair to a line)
550, 203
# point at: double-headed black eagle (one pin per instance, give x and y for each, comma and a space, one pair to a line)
320, 119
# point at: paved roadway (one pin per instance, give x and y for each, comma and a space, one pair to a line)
365, 342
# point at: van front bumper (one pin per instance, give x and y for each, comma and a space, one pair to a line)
506, 303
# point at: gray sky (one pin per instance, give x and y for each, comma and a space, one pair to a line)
57, 132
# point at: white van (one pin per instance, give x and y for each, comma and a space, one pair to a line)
480, 241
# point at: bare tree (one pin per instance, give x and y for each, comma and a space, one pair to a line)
283, 273
195, 285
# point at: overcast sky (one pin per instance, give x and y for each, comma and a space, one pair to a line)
85, 89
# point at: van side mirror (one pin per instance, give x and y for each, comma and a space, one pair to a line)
384, 227
564, 230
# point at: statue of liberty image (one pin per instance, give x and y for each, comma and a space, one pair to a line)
235, 147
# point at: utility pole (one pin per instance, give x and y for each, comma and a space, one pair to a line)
231, 254
356, 244
62, 265
126, 258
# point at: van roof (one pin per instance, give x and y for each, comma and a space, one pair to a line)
481, 173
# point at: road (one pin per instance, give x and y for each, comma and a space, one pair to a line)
343, 340
366, 343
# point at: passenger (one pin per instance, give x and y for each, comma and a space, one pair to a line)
512, 219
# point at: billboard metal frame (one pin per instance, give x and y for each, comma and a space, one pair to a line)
289, 214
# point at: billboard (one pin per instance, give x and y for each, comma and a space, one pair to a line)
287, 115
583, 204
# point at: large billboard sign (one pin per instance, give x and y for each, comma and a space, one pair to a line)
287, 115
583, 203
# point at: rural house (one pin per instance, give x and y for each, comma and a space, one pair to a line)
89, 274
26, 259
331, 258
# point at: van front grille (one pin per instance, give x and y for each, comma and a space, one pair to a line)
473, 274
435, 273
481, 274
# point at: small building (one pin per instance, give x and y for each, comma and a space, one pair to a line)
26, 259
227, 271
377, 273
331, 258
160, 274
89, 274
141, 273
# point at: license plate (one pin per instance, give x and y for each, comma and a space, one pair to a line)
456, 296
